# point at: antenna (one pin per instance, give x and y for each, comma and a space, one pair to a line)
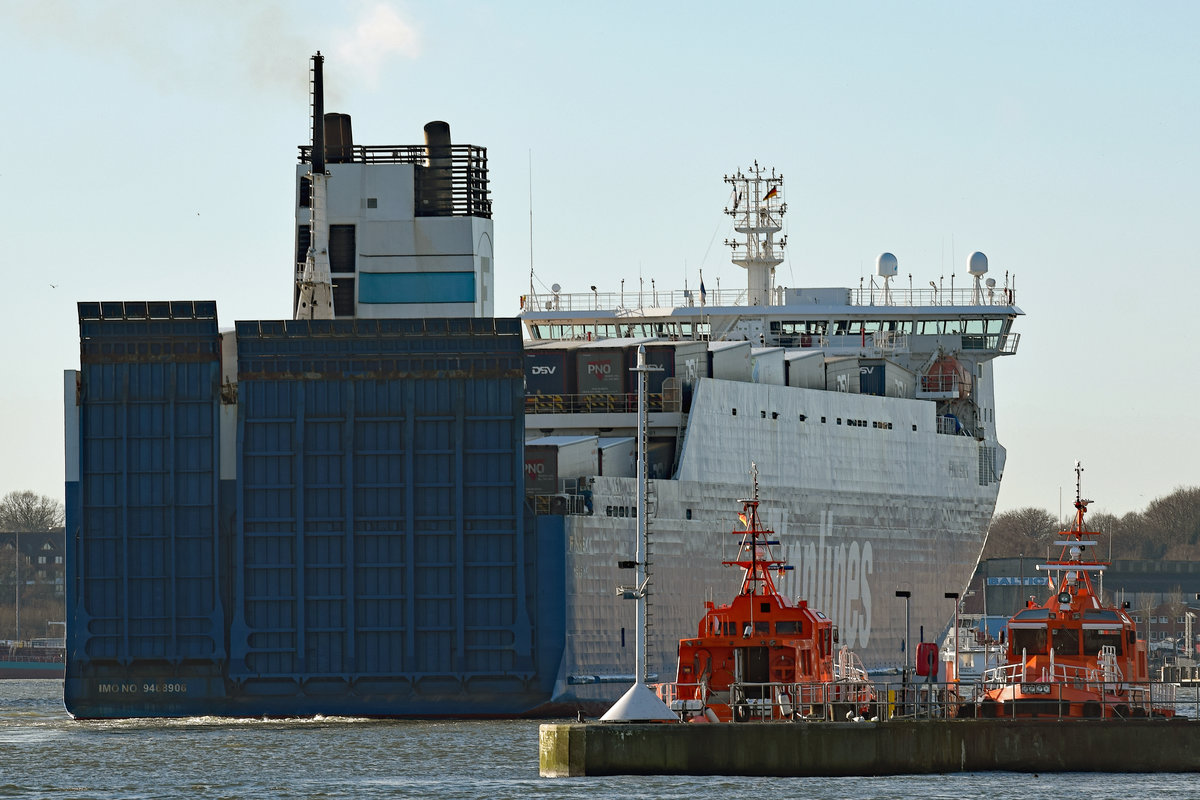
758, 211
531, 221
315, 296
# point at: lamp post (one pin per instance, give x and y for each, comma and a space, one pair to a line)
954, 596
906, 595
17, 599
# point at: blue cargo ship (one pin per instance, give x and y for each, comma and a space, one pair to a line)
337, 527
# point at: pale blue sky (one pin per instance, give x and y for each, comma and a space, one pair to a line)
150, 149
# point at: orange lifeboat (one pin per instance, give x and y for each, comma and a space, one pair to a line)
946, 378
761, 657
1073, 655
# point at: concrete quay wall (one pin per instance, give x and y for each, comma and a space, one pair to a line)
870, 748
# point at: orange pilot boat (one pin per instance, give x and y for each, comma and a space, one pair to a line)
762, 657
1073, 656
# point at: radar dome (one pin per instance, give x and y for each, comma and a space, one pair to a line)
977, 264
886, 265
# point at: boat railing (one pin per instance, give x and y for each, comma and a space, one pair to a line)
599, 403
652, 297
848, 701
1100, 699
848, 667
827, 700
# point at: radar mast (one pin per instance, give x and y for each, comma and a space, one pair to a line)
757, 212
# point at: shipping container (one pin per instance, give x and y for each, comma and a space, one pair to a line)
767, 365
805, 369
602, 369
884, 378
550, 370
875, 376
550, 460
658, 354
691, 362
729, 361
617, 456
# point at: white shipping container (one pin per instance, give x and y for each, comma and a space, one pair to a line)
805, 369
767, 365
729, 361
552, 459
617, 456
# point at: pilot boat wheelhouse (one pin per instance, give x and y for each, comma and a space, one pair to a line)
1073, 655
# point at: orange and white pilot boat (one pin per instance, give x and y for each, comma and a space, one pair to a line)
1073, 655
762, 657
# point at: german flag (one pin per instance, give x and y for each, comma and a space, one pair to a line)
773, 193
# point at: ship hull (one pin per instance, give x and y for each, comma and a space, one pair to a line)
860, 512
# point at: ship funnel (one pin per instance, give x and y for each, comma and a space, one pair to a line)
339, 139
436, 197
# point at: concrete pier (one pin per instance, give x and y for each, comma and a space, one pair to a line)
870, 748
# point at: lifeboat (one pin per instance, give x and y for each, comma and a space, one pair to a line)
761, 657
1073, 655
946, 378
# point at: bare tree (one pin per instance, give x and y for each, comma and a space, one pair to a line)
29, 511
1025, 530
1146, 603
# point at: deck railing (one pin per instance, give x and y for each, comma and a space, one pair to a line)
651, 297
599, 403
841, 702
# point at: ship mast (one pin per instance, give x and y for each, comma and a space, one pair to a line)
757, 212
640, 703
315, 296
1074, 557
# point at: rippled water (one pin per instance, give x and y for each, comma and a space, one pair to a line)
45, 754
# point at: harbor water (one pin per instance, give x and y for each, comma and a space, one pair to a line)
46, 754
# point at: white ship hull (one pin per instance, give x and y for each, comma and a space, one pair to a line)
870, 501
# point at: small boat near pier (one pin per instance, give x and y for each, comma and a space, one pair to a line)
762, 657
1074, 655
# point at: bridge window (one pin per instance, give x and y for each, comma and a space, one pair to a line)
1066, 641
1029, 640
1093, 640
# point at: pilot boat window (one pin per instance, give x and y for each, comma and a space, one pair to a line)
1066, 641
1029, 640
1093, 640
763, 628
787, 626
1034, 613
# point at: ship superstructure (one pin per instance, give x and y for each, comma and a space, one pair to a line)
401, 231
870, 411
